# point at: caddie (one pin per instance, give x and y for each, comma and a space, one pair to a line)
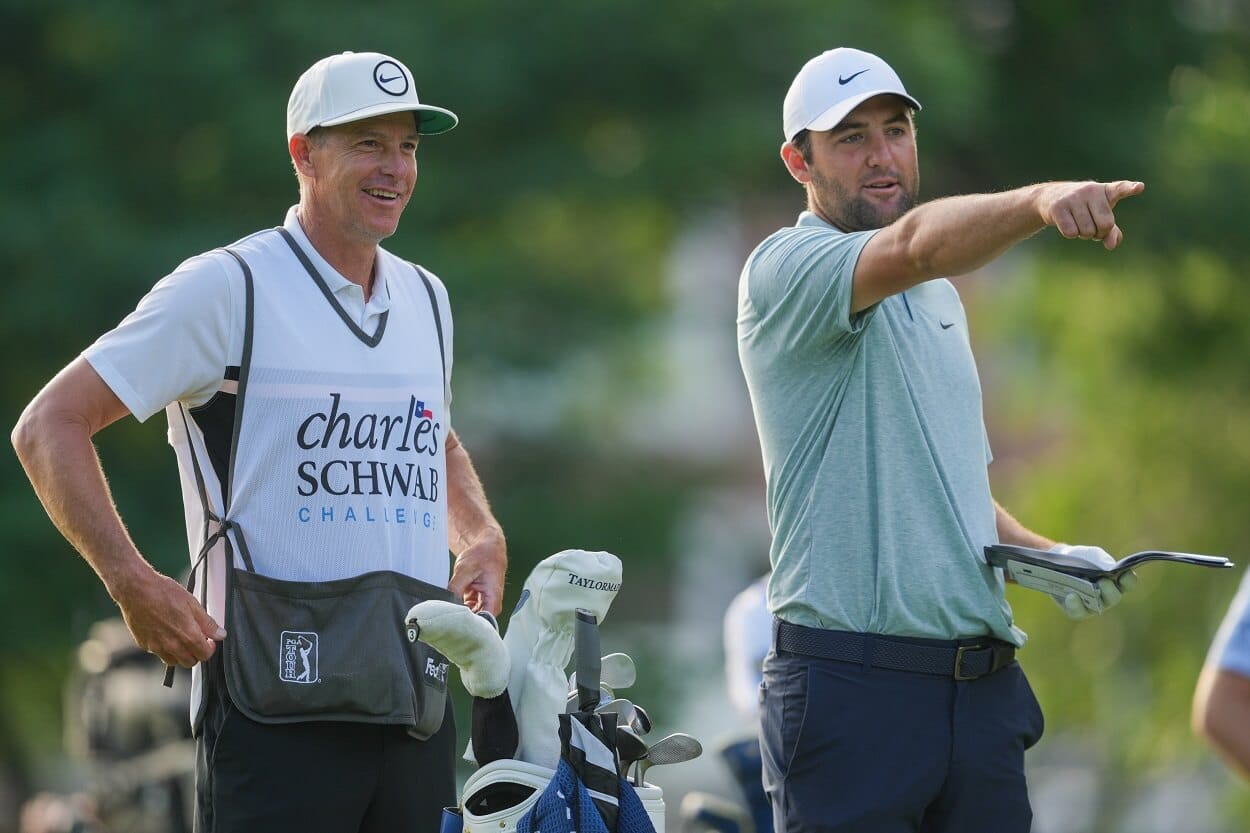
305, 375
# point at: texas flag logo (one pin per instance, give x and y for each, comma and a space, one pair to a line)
422, 411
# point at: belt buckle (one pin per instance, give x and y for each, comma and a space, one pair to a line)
959, 661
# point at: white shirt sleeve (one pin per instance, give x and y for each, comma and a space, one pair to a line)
177, 343
748, 637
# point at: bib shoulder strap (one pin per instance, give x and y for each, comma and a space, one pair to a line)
438, 319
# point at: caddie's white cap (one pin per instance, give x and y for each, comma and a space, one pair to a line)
359, 85
834, 83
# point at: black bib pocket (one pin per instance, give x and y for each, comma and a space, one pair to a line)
333, 650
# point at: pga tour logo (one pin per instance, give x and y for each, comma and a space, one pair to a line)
297, 657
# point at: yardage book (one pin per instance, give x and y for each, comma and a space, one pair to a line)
1060, 573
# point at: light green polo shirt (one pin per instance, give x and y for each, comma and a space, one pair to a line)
874, 446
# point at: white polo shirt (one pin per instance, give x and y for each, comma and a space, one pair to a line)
189, 327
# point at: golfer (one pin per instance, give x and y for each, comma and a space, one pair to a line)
305, 373
891, 698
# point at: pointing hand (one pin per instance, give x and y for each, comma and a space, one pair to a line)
1086, 210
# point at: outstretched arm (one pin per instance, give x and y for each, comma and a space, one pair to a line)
53, 441
475, 536
955, 235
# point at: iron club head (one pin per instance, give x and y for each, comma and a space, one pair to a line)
629, 747
636, 716
674, 749
616, 671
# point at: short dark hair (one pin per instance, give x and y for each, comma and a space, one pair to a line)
803, 141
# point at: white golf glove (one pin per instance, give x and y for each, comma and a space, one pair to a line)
1109, 592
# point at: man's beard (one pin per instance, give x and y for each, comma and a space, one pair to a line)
852, 211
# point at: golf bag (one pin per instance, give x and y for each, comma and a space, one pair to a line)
509, 796
565, 768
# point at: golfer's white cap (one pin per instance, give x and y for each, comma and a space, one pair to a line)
359, 85
834, 83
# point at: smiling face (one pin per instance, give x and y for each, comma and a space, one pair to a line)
356, 178
862, 174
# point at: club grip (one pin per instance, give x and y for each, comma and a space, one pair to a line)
589, 664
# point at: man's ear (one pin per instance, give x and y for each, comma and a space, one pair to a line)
301, 154
795, 163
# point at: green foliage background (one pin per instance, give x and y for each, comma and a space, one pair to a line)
137, 134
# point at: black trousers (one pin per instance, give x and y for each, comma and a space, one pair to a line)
317, 777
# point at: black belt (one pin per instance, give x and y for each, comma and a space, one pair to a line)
962, 662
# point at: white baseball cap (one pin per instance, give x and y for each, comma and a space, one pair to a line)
359, 85
834, 83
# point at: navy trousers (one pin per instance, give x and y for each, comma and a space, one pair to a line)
854, 749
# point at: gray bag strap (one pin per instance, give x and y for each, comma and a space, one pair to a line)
438, 319
223, 522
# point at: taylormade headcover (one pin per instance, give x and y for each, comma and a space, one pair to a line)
539, 640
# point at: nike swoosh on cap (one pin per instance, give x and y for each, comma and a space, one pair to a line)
947, 326
848, 79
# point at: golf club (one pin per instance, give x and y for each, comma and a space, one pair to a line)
629, 747
635, 716
676, 748
615, 671
605, 696
641, 721
586, 646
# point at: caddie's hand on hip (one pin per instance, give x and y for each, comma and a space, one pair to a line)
167, 621
1086, 210
1109, 592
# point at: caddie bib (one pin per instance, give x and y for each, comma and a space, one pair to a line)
335, 503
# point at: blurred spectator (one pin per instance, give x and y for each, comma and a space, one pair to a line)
748, 637
748, 634
1221, 711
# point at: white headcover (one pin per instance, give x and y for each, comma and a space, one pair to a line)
539, 640
467, 639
